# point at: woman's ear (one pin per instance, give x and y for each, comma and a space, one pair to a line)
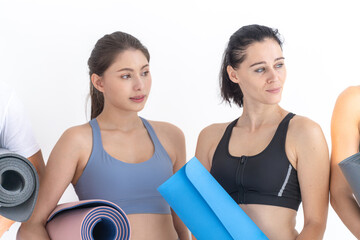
97, 81
232, 74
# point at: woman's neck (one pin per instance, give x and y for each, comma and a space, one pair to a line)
121, 120
256, 117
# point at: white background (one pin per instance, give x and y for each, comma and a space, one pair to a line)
44, 47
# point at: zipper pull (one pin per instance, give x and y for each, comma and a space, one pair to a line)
242, 160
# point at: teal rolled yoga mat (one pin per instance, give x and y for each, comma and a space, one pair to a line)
351, 169
205, 207
19, 186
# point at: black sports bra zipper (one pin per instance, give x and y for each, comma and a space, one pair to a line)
240, 179
237, 181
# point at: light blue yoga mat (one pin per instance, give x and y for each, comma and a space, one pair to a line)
351, 170
205, 207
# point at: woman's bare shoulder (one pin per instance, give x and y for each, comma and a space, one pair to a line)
304, 129
214, 130
350, 92
78, 135
166, 129
210, 136
348, 101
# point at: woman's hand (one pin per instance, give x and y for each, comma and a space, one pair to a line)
32, 231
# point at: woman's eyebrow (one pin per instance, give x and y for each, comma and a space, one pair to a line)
130, 69
257, 63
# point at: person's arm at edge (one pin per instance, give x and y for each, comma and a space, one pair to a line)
16, 122
345, 142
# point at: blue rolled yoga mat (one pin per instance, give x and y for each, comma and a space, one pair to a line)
88, 219
205, 207
351, 169
19, 186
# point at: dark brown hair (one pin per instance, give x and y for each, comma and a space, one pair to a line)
102, 56
235, 54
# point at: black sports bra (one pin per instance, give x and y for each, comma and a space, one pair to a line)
265, 178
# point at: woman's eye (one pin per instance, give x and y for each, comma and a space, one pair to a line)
260, 70
127, 76
145, 73
279, 65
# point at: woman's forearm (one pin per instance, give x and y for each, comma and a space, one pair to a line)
32, 231
181, 229
313, 231
349, 212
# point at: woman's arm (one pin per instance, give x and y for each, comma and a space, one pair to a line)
312, 162
345, 142
173, 140
38, 162
179, 160
207, 141
59, 172
204, 147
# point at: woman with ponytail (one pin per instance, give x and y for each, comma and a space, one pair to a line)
268, 159
117, 156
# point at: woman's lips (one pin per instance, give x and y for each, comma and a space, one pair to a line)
138, 99
274, 90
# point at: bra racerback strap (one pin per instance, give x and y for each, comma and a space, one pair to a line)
97, 143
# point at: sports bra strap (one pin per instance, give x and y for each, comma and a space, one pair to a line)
97, 142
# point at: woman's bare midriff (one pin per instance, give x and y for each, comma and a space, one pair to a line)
152, 227
277, 223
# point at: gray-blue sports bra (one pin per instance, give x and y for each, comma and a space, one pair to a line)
131, 186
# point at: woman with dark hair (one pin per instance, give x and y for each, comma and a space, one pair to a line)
345, 138
268, 159
117, 156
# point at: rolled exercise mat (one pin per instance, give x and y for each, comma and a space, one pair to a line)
88, 219
205, 207
19, 186
351, 169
